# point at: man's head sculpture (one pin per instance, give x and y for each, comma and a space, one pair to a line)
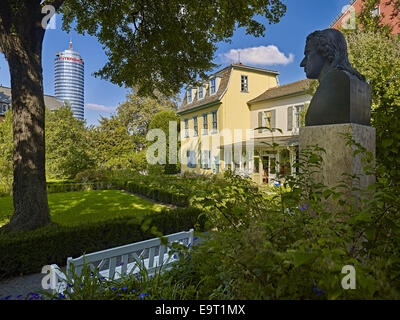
335, 101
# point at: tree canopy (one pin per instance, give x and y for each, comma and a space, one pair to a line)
163, 45
375, 53
67, 145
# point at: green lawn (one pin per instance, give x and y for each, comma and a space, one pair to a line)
73, 208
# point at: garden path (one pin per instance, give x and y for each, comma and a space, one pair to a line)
19, 287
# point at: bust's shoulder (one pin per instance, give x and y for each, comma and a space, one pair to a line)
340, 76
337, 74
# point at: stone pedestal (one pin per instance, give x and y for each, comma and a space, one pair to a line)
339, 157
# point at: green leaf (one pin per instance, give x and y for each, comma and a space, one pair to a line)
387, 143
301, 257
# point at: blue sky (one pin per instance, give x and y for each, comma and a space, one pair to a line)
281, 49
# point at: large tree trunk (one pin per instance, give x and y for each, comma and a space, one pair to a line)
22, 46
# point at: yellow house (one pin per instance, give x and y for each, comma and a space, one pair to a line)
216, 114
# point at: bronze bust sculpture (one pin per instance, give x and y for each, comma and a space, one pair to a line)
343, 96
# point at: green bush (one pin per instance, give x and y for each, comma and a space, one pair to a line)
57, 187
295, 244
158, 193
103, 174
91, 175
28, 252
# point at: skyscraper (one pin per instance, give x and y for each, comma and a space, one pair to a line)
69, 80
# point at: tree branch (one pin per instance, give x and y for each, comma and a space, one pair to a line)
55, 3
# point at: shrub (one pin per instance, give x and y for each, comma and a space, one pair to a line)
28, 252
102, 174
91, 175
67, 186
158, 193
295, 245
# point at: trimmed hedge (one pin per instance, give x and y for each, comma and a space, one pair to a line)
58, 187
158, 193
28, 252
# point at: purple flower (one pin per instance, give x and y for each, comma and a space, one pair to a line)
124, 288
142, 295
305, 207
318, 291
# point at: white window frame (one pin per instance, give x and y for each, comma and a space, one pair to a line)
204, 131
190, 94
205, 159
244, 84
376, 12
228, 158
214, 79
200, 89
297, 109
196, 132
214, 113
191, 159
186, 128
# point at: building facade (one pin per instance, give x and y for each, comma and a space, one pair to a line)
50, 102
384, 9
216, 114
220, 123
69, 80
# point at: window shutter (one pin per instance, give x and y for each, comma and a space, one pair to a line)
227, 157
290, 119
194, 159
260, 121
273, 120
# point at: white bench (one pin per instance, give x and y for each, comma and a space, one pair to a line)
124, 260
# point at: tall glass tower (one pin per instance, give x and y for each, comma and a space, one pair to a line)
69, 80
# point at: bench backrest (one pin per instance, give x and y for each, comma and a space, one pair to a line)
118, 258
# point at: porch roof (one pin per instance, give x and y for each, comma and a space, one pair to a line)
264, 143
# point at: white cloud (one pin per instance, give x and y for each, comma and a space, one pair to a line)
263, 56
98, 107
